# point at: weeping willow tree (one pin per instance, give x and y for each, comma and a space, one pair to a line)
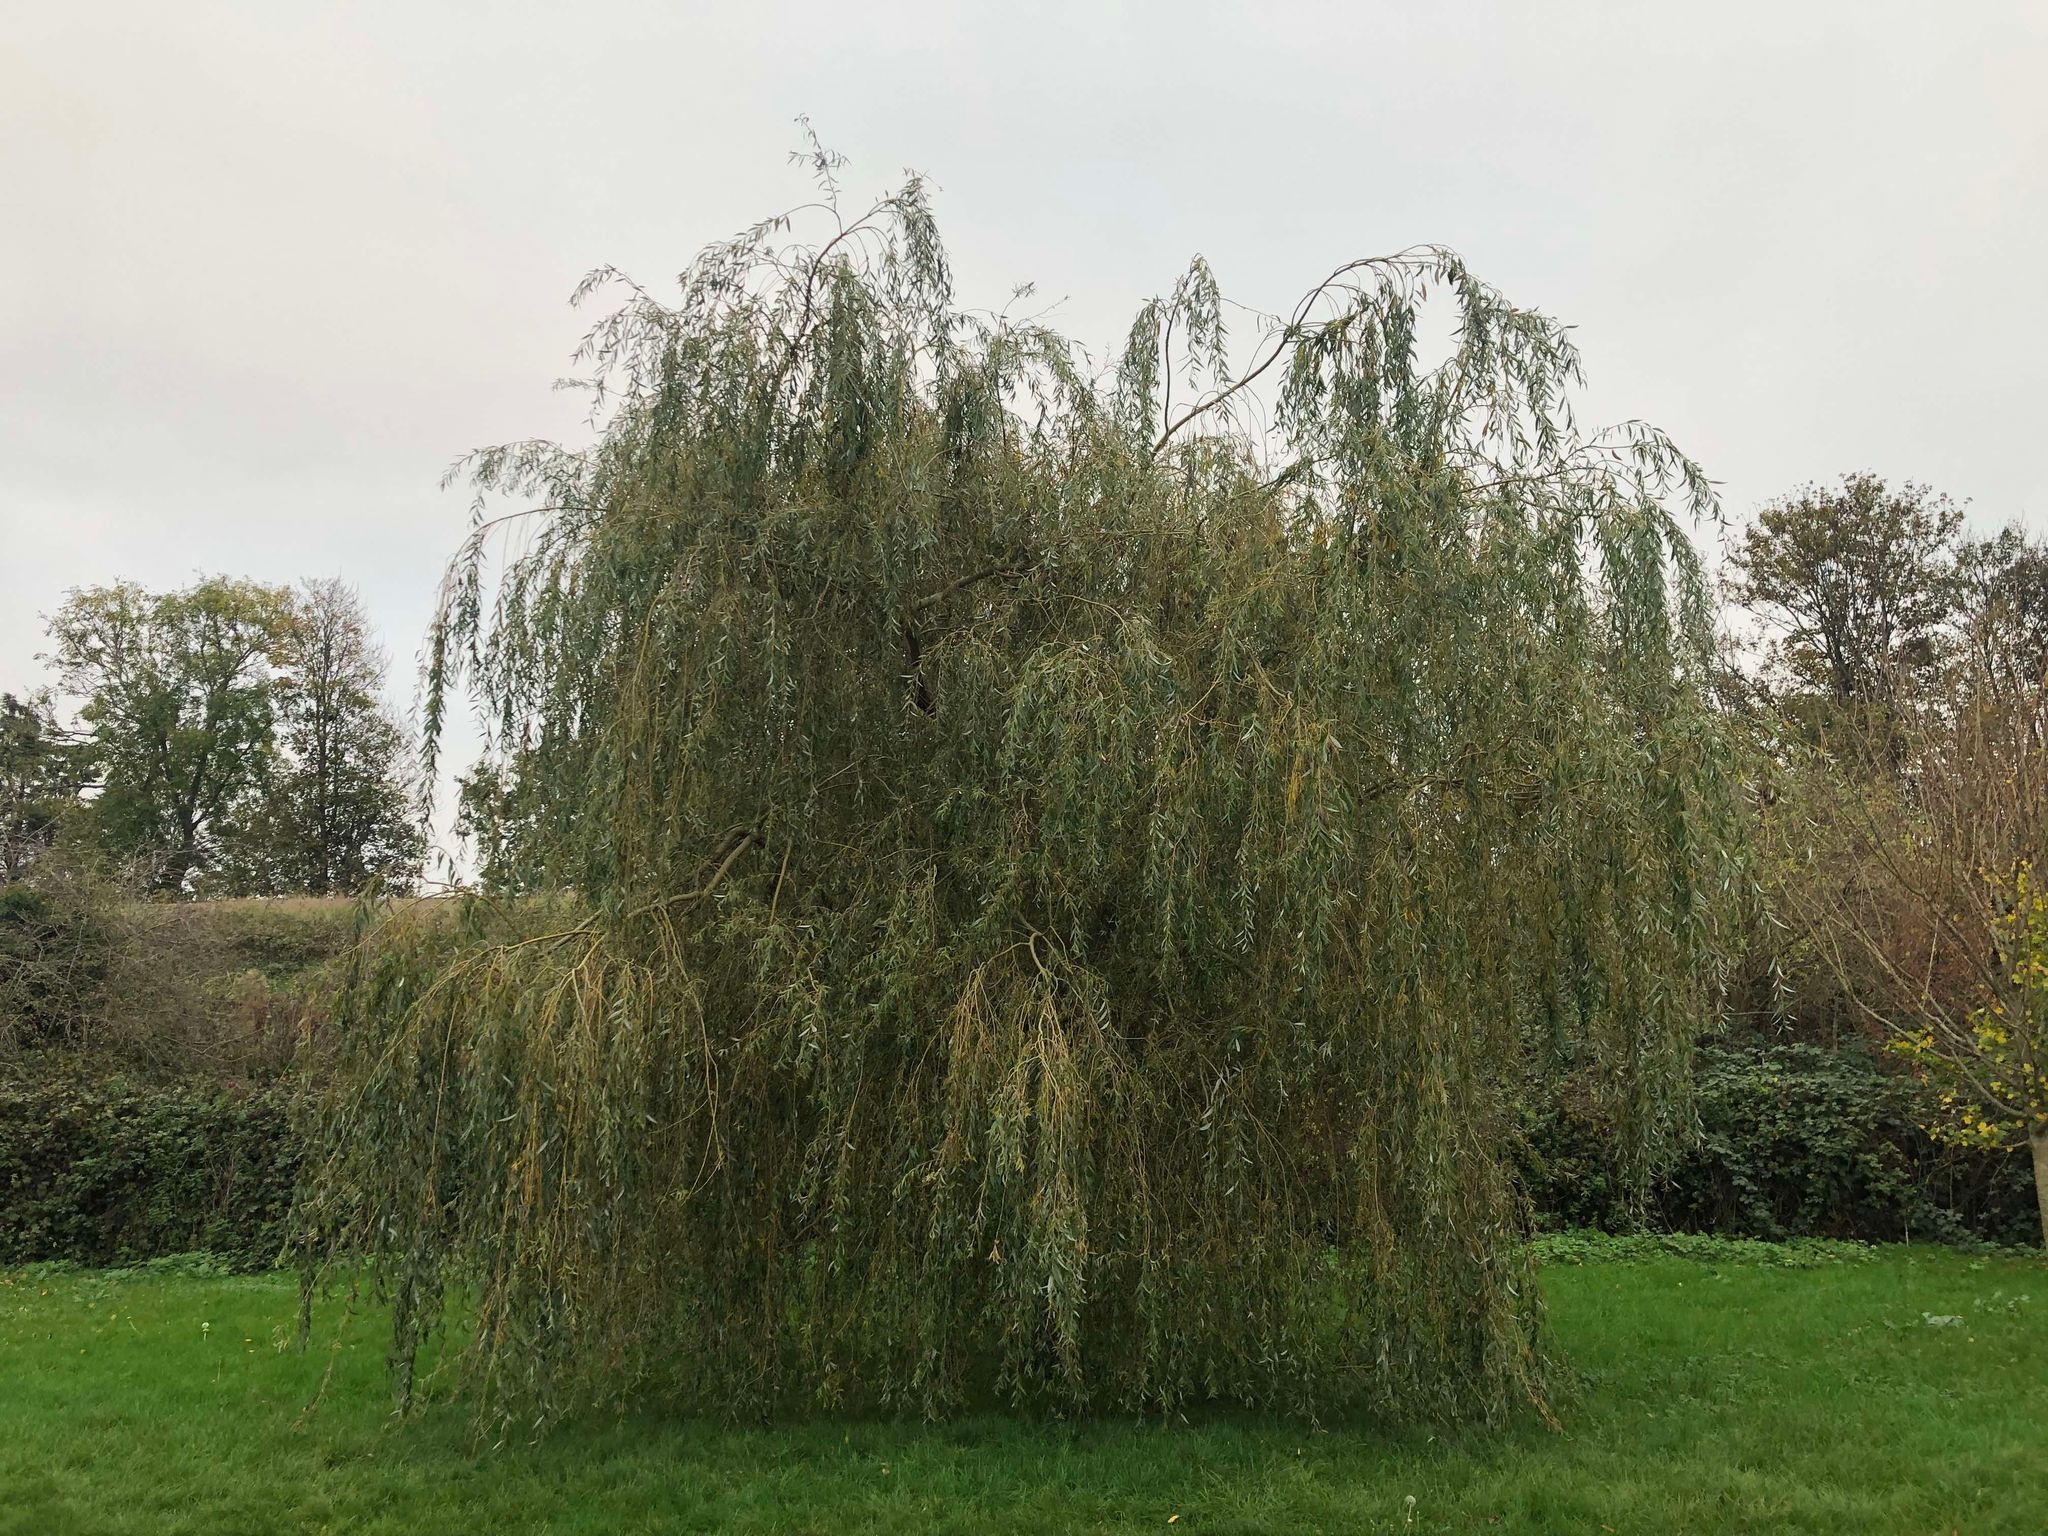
1056, 870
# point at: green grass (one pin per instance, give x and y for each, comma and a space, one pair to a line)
1722, 1389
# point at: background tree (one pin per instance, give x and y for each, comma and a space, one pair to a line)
2004, 582
1926, 898
1062, 871
42, 772
337, 810
1988, 1067
502, 813
177, 691
53, 904
1855, 585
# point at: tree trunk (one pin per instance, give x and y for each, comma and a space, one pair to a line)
2039, 1141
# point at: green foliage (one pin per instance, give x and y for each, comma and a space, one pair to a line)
1856, 585
1799, 1142
178, 702
504, 817
1795, 1141
1909, 889
41, 773
337, 813
115, 1172
244, 746
1582, 1246
1063, 868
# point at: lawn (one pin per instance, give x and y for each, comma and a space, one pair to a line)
1736, 1389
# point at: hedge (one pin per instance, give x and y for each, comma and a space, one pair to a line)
114, 1172
1796, 1140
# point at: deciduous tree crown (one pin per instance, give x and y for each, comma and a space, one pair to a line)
1059, 870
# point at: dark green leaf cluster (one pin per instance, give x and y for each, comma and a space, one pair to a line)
337, 812
107, 1171
1796, 1140
178, 703
1057, 870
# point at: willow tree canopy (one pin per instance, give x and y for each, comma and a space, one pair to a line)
1059, 869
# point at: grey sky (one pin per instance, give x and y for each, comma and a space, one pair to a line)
265, 269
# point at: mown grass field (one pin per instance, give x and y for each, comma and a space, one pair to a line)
1727, 1392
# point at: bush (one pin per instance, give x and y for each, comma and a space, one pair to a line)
1592, 1247
278, 938
55, 942
1795, 1141
116, 1172
170, 988
216, 986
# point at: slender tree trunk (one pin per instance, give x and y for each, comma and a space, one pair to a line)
2039, 1141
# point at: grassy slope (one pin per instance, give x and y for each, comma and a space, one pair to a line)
1717, 1397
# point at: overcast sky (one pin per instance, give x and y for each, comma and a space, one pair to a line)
266, 269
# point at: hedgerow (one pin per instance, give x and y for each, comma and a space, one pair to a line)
117, 1171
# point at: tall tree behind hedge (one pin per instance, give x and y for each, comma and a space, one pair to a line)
177, 700
42, 772
1063, 865
338, 810
2005, 613
1856, 586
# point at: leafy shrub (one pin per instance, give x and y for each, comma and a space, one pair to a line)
1795, 1141
55, 942
117, 1172
1593, 1247
213, 987
1798, 1141
1796, 1144
1565, 1160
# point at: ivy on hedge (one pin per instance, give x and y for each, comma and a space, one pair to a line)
116, 1171
1796, 1140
